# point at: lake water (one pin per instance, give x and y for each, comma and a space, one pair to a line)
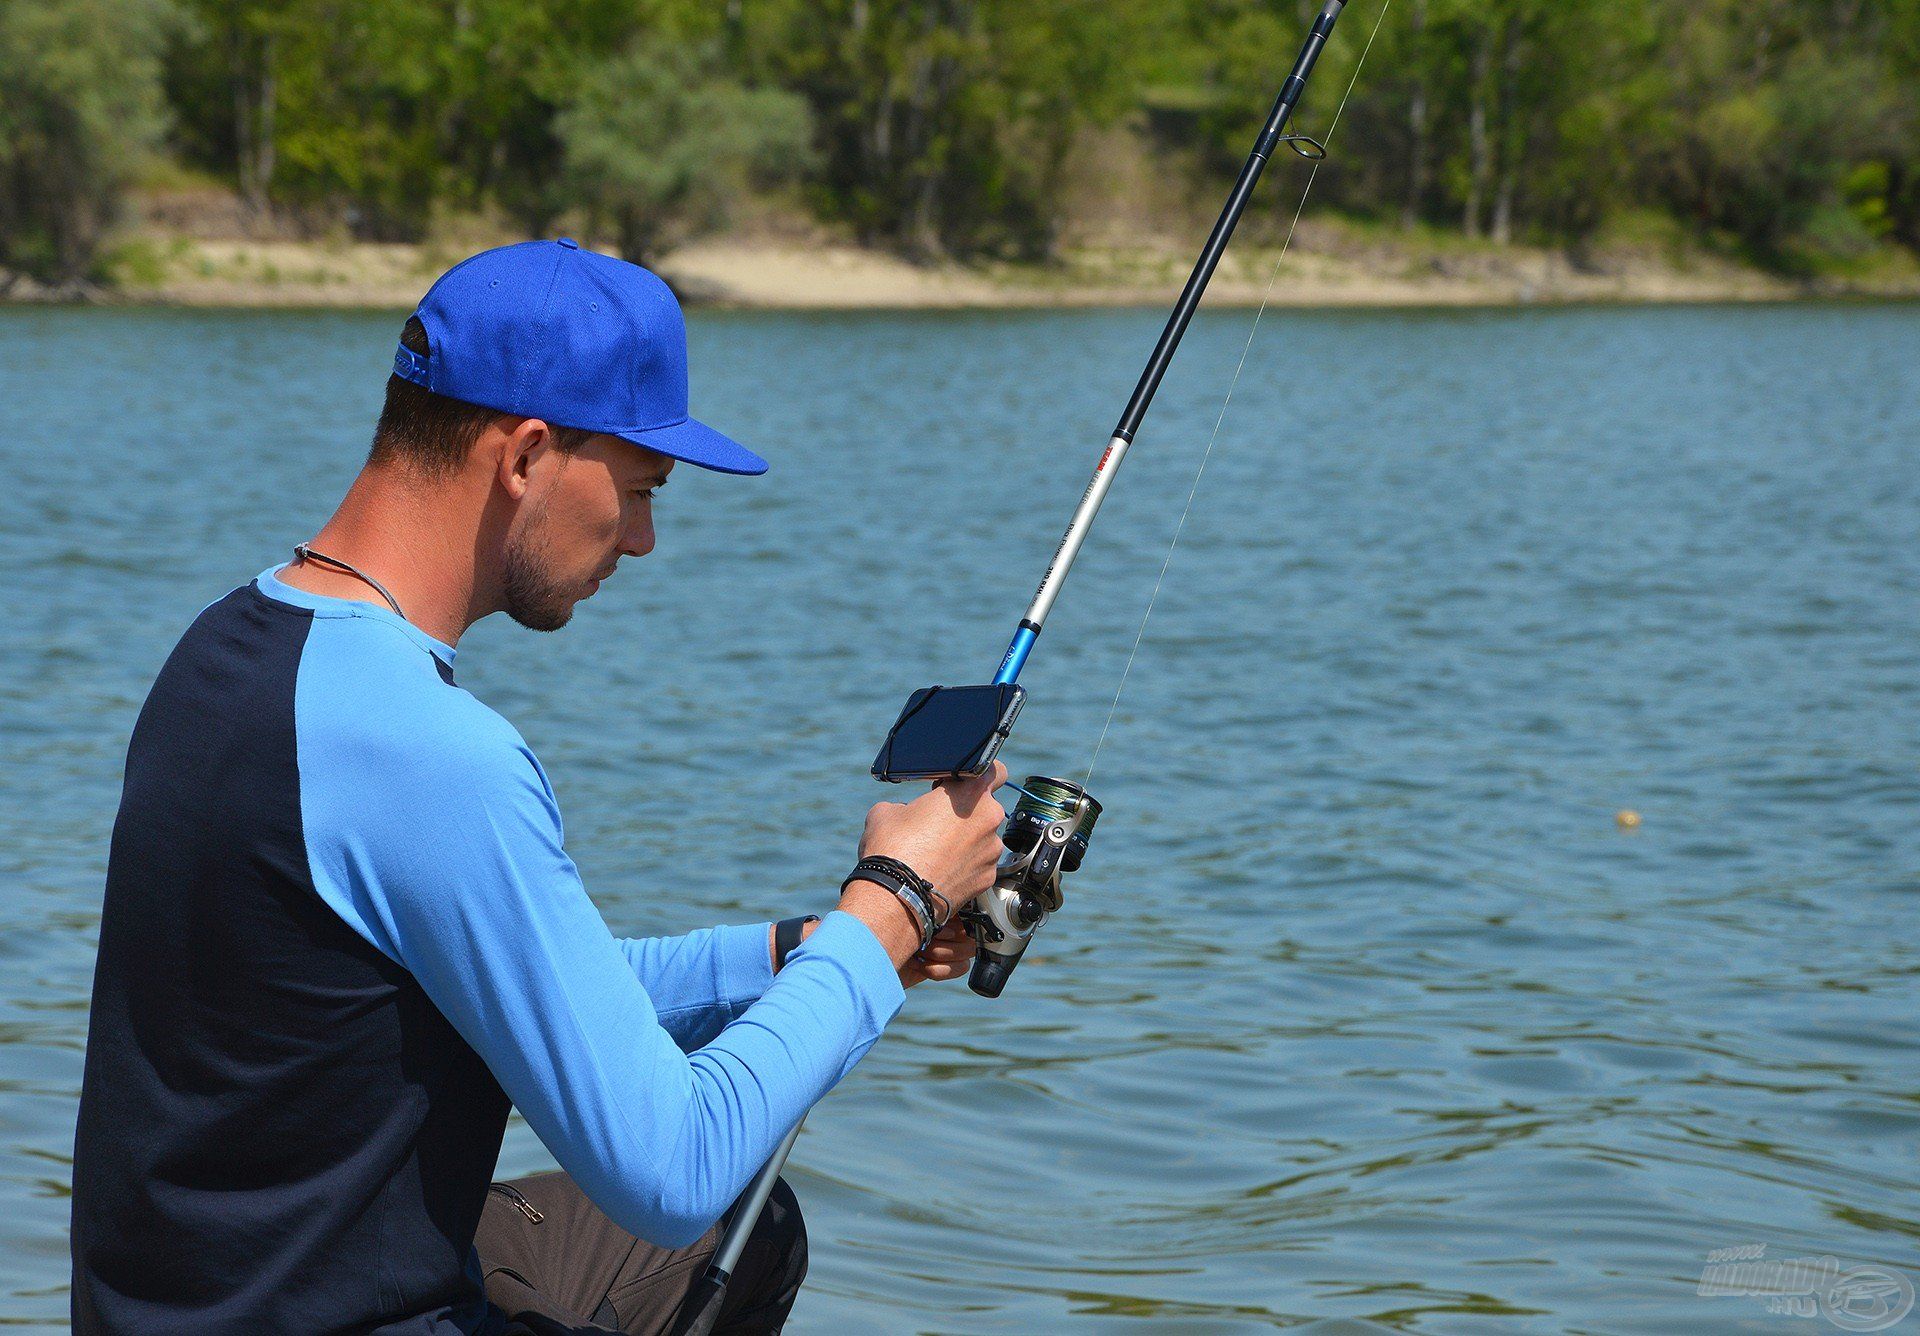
1365, 1014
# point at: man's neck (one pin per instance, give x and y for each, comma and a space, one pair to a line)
409, 537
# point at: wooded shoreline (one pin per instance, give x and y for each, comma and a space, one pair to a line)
965, 138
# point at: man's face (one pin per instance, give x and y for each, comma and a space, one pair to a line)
581, 514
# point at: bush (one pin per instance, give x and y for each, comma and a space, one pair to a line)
659, 140
80, 108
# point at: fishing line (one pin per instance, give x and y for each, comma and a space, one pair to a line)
1050, 800
1232, 385
955, 732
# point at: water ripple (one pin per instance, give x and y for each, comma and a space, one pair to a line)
1364, 1016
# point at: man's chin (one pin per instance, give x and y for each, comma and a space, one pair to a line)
533, 597
542, 615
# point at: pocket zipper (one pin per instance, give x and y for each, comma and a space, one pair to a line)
520, 1203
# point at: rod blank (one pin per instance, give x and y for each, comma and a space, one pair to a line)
1271, 136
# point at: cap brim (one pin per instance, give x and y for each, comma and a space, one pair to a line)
698, 444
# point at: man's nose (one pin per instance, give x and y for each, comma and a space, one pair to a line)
637, 541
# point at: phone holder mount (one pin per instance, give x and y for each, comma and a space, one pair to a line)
1046, 837
949, 732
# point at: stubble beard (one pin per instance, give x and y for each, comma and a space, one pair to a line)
529, 593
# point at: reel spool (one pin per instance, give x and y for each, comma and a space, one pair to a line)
1046, 837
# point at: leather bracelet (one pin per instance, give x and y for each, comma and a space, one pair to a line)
905, 892
922, 887
920, 884
906, 885
787, 934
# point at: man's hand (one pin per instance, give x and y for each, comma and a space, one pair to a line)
950, 957
950, 835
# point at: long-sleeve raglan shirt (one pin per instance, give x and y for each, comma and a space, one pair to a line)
341, 932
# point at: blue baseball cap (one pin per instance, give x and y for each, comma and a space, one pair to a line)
545, 329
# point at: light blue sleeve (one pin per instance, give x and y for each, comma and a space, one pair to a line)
431, 830
704, 980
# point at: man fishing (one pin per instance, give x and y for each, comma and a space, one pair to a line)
342, 934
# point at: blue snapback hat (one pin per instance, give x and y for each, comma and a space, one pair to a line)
548, 330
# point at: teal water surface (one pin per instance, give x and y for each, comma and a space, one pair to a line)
1365, 1014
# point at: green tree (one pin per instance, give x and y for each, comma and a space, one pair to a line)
944, 124
80, 108
944, 127
377, 111
659, 139
1771, 110
1895, 168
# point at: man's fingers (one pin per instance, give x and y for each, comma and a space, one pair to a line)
968, 794
948, 956
950, 945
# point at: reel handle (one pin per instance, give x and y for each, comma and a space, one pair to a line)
1001, 923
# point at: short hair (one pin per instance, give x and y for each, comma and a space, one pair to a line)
431, 432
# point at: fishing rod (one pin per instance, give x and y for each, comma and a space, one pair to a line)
955, 732
1048, 831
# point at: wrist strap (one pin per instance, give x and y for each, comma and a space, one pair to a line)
787, 934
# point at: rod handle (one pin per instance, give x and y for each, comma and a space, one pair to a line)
701, 1308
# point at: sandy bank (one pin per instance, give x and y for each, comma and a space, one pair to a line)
1325, 268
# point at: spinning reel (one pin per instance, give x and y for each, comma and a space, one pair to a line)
1046, 837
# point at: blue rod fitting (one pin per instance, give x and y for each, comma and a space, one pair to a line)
1016, 656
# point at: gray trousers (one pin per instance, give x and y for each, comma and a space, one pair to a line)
573, 1270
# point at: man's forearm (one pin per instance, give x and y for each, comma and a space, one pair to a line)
700, 981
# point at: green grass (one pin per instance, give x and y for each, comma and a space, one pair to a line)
141, 261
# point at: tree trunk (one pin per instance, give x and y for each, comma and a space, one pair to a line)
926, 217
1503, 207
1418, 113
638, 237
254, 95
242, 122
264, 149
1512, 137
928, 104
1903, 204
1479, 145
920, 230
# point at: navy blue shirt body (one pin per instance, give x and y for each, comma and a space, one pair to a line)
341, 936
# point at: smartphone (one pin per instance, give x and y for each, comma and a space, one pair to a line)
948, 732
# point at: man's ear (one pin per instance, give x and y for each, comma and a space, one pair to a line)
526, 443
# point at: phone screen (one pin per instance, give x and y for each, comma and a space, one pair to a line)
948, 731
